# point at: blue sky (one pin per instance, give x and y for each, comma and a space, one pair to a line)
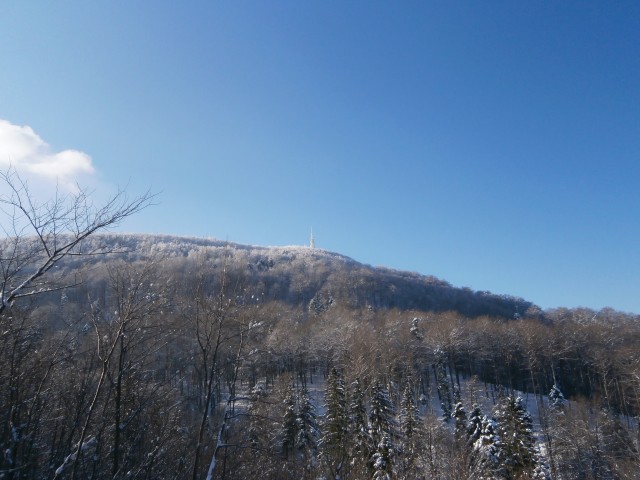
495, 145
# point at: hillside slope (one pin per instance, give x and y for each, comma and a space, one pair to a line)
304, 276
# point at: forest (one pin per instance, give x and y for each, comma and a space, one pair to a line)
152, 357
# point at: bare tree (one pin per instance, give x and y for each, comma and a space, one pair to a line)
41, 234
210, 317
38, 236
128, 341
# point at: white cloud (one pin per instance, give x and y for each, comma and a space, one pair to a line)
23, 149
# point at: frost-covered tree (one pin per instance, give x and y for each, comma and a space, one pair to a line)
40, 241
556, 398
580, 447
487, 451
415, 328
541, 469
289, 428
620, 450
474, 426
459, 416
408, 413
442, 381
335, 425
307, 424
411, 430
381, 413
42, 235
359, 438
255, 430
382, 459
515, 428
299, 426
381, 428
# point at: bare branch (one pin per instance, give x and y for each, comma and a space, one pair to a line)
40, 235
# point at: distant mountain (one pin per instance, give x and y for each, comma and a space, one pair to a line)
301, 276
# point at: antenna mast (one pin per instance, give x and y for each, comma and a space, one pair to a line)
312, 242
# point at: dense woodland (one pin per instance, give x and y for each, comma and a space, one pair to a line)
156, 357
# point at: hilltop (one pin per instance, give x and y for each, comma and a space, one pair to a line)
302, 276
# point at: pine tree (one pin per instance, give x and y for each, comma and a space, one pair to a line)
459, 416
408, 413
457, 398
410, 427
307, 423
474, 426
289, 430
381, 413
359, 438
382, 462
415, 328
486, 457
515, 428
540, 469
335, 426
381, 430
442, 382
556, 398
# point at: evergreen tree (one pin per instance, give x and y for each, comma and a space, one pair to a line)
474, 426
476, 444
307, 425
540, 469
442, 382
359, 438
410, 427
358, 418
382, 464
381, 429
486, 458
381, 413
289, 430
415, 328
515, 428
335, 426
457, 398
556, 398
459, 416
408, 413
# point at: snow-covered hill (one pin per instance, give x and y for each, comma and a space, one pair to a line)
302, 275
